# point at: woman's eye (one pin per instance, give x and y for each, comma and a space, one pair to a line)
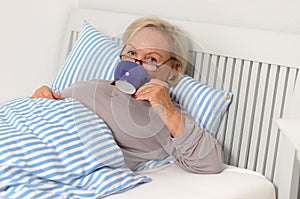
131, 53
151, 60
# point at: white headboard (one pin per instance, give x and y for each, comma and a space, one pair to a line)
114, 24
261, 91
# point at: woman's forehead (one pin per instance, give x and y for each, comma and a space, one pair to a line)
146, 50
150, 38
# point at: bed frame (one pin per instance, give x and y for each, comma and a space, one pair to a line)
248, 134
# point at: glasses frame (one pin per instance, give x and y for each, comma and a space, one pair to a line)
142, 61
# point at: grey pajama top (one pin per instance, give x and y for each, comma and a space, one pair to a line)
140, 132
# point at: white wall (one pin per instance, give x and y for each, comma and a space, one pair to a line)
259, 29
30, 37
276, 15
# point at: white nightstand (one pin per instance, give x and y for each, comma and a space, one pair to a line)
291, 129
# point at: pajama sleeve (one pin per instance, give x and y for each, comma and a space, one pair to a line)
196, 150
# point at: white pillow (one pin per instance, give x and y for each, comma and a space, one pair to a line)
206, 104
94, 56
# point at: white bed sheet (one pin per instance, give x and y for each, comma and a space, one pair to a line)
173, 182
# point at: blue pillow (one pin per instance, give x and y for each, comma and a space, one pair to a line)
94, 56
206, 104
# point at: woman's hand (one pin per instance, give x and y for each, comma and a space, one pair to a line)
156, 92
45, 92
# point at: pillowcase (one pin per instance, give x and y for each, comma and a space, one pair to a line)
94, 56
206, 104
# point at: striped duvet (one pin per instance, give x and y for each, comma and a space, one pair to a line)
59, 149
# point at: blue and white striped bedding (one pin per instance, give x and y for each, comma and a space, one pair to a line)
94, 56
59, 149
206, 104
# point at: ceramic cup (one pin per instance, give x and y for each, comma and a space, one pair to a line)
129, 76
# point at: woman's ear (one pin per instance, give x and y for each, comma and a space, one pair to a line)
175, 64
173, 72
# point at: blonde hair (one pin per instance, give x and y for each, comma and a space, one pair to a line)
179, 43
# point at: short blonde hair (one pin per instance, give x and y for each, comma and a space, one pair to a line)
179, 43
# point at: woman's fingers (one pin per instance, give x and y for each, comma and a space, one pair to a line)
146, 92
156, 92
158, 95
45, 92
151, 86
56, 95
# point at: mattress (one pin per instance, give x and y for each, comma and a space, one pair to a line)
173, 182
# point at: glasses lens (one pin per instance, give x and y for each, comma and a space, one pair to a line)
125, 57
149, 67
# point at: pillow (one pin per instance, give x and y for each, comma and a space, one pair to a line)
206, 104
94, 56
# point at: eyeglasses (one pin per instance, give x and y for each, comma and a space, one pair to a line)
148, 64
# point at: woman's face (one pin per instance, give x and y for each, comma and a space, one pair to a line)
152, 45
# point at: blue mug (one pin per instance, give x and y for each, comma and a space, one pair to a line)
129, 76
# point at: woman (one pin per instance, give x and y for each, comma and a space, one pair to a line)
149, 125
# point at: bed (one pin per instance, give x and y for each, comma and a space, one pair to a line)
253, 94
